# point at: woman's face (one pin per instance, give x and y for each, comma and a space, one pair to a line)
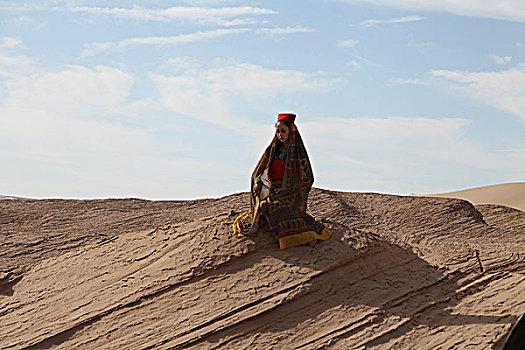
282, 132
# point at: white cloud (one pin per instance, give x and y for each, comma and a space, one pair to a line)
16, 6
97, 48
182, 64
500, 59
101, 47
374, 22
504, 90
57, 125
53, 155
44, 135
237, 22
78, 91
76, 133
400, 154
210, 2
509, 10
23, 21
215, 94
415, 81
11, 65
9, 42
370, 62
347, 43
225, 16
431, 138
216, 15
15, 65
285, 30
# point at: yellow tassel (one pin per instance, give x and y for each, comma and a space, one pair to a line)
237, 229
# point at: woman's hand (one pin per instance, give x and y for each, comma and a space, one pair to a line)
257, 187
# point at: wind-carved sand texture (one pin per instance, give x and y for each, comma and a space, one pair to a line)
398, 273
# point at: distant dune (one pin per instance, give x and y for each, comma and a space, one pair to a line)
10, 197
510, 195
399, 272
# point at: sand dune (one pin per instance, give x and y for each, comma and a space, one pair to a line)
509, 194
398, 273
11, 197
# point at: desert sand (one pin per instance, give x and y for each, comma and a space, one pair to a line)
400, 272
509, 194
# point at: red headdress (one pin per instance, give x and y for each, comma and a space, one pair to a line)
287, 117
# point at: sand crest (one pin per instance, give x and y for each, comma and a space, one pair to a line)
509, 194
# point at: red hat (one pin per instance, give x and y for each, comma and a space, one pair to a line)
287, 117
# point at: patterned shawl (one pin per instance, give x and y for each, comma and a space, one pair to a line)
298, 176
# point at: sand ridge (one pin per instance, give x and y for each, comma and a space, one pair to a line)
399, 272
509, 194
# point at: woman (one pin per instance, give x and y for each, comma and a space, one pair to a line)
280, 185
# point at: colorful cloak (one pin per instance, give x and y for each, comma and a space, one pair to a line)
284, 212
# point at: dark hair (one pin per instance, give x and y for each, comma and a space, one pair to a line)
288, 124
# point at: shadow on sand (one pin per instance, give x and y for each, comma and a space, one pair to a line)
365, 282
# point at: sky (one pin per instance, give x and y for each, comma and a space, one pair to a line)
178, 99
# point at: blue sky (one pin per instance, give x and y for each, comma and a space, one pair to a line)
177, 99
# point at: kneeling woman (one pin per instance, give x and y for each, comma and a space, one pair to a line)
280, 185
